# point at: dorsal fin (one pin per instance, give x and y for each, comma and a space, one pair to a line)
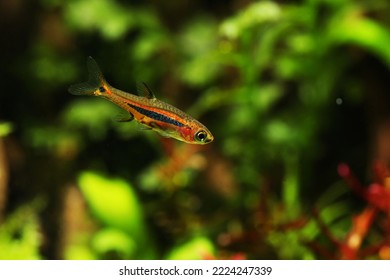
144, 90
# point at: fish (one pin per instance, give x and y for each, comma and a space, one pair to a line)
145, 108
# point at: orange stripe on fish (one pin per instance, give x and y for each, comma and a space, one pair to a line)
155, 114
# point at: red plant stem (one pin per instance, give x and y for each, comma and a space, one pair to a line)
324, 228
345, 172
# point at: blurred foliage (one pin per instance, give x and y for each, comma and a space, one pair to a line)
195, 249
116, 205
20, 236
289, 89
5, 128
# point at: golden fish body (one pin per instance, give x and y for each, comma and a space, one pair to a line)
155, 114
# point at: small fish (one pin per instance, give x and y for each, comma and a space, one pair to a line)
159, 116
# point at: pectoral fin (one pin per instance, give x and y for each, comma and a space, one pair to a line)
124, 117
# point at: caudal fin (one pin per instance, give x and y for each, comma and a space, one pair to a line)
95, 80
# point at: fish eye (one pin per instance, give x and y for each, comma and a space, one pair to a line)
201, 136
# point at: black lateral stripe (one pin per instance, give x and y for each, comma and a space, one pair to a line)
156, 116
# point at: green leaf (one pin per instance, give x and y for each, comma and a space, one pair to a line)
108, 17
196, 249
20, 237
78, 252
278, 131
114, 202
198, 42
5, 128
112, 240
353, 28
257, 13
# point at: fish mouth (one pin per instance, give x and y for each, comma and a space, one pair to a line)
211, 139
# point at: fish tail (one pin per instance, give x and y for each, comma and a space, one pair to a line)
95, 80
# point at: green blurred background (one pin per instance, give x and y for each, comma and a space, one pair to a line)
289, 89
